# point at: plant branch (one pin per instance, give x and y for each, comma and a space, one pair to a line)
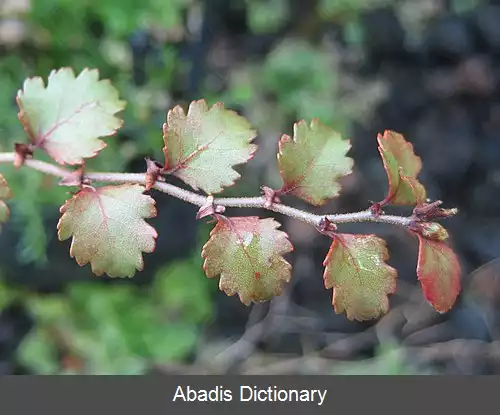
200, 200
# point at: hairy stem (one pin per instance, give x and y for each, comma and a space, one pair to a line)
200, 200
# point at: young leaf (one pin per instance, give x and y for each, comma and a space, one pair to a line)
402, 167
312, 163
438, 271
430, 230
247, 253
356, 269
67, 117
108, 228
202, 146
4, 194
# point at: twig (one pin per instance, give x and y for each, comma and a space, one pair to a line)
200, 200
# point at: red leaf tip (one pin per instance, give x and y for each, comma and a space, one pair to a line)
438, 271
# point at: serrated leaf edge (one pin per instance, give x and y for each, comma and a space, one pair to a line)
180, 165
385, 258
22, 116
281, 254
285, 138
99, 273
421, 241
381, 149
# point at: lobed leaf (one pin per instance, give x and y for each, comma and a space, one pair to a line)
203, 146
313, 161
5, 193
247, 254
361, 279
402, 167
68, 117
108, 228
438, 271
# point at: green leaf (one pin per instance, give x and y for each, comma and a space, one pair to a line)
5, 193
267, 16
247, 253
181, 288
356, 269
438, 271
289, 81
38, 352
68, 117
49, 309
312, 163
136, 332
108, 228
202, 146
171, 342
402, 167
8, 294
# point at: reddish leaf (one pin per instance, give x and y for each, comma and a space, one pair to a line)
108, 228
203, 146
247, 254
312, 163
438, 271
402, 167
356, 269
68, 117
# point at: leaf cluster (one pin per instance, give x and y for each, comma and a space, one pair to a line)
69, 118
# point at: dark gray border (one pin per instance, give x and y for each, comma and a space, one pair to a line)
402, 395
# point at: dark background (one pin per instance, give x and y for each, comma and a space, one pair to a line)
426, 68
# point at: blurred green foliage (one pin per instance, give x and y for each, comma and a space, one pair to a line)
121, 17
266, 16
389, 360
305, 89
117, 328
99, 328
348, 8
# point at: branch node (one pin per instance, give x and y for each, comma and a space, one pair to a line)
376, 209
327, 227
209, 208
429, 211
270, 197
75, 178
153, 172
22, 152
429, 230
